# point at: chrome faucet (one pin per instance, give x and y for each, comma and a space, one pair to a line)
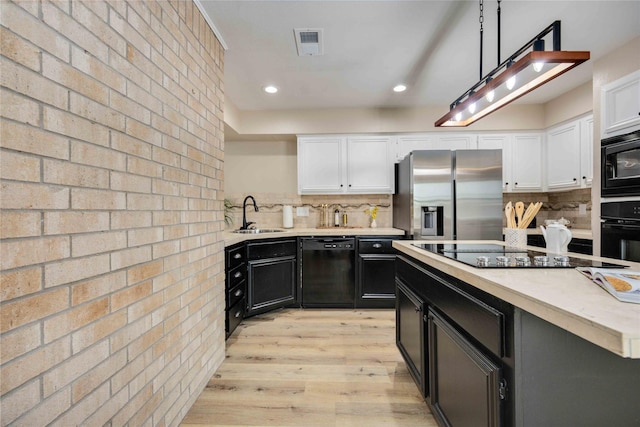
246, 224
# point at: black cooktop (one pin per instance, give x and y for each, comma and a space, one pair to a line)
497, 256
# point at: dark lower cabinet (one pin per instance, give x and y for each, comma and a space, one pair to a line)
375, 274
235, 286
271, 278
410, 334
465, 384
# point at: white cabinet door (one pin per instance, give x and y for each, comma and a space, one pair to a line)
321, 165
526, 162
456, 142
586, 151
564, 157
621, 105
502, 142
408, 143
369, 165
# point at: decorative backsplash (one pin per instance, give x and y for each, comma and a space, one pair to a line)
555, 205
270, 205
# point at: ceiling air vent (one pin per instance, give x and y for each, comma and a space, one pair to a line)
309, 41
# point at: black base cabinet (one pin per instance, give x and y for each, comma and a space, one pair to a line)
375, 274
235, 286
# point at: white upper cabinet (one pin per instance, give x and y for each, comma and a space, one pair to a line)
502, 142
570, 155
526, 162
563, 156
411, 142
456, 141
620, 102
343, 165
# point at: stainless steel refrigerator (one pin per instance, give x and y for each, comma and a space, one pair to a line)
444, 194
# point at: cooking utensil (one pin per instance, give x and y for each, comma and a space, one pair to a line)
529, 214
508, 212
519, 212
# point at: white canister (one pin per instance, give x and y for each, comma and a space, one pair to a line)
287, 216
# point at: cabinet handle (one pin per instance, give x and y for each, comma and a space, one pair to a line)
238, 274
238, 292
584, 177
377, 245
575, 180
237, 256
516, 184
238, 314
418, 309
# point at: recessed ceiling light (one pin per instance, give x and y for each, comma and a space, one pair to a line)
399, 88
270, 89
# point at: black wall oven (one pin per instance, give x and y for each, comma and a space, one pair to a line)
620, 230
621, 165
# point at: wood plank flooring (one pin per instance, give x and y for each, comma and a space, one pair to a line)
312, 367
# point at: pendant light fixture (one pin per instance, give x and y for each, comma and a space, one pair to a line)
530, 67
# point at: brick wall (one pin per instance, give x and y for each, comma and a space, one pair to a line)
111, 211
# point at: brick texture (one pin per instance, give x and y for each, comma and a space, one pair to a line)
111, 168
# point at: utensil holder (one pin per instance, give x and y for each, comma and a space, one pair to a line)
515, 237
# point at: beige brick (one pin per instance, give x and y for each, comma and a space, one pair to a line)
19, 342
129, 257
175, 203
19, 167
21, 23
17, 195
105, 413
94, 243
72, 30
94, 332
21, 401
144, 236
80, 410
95, 288
31, 140
143, 97
144, 167
129, 145
95, 17
144, 272
19, 224
133, 368
130, 183
175, 174
163, 249
143, 132
71, 320
19, 253
48, 410
72, 174
74, 367
130, 108
14, 284
19, 108
129, 333
121, 26
146, 202
165, 187
86, 199
144, 307
18, 372
19, 50
130, 219
88, 382
93, 155
130, 295
93, 68
96, 112
72, 270
74, 126
166, 157
145, 341
69, 222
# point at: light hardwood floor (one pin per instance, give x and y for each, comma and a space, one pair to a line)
314, 367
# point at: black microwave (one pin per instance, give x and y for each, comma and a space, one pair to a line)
621, 165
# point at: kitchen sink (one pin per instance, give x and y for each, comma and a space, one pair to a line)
258, 231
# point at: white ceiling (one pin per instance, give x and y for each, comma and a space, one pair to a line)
370, 46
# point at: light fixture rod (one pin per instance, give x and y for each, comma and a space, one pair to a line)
554, 27
499, 28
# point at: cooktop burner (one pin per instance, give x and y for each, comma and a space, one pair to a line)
497, 256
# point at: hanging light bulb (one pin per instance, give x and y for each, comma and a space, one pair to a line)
472, 108
491, 95
537, 66
511, 83
458, 117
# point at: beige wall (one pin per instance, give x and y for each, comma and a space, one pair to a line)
112, 272
570, 105
617, 64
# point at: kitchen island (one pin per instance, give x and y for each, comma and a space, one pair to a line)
537, 346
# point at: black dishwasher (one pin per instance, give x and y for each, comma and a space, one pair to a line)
328, 272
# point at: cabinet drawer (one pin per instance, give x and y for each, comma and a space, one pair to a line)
236, 294
235, 257
375, 246
276, 249
234, 316
236, 276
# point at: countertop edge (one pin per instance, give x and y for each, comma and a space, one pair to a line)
596, 316
231, 238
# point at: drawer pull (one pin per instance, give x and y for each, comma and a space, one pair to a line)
238, 314
237, 275
237, 255
377, 245
238, 292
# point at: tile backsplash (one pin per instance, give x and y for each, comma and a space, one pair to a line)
555, 205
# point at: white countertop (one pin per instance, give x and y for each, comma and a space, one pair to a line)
231, 238
563, 297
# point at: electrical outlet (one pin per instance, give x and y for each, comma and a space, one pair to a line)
302, 211
582, 209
